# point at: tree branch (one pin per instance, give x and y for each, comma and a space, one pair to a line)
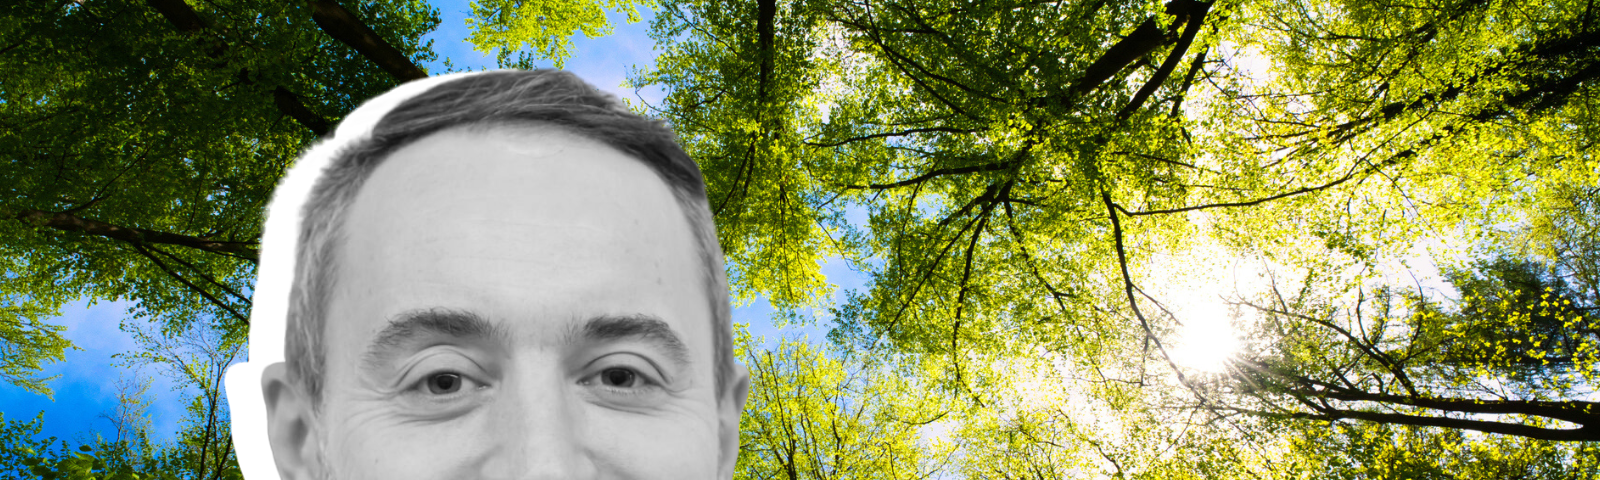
1330, 414
1389, 364
927, 274
966, 277
1127, 285
895, 59
343, 26
1142, 40
1299, 191
939, 173
766, 16
225, 288
1586, 433
1195, 14
185, 19
70, 223
1188, 81
289, 103
901, 133
244, 319
1575, 411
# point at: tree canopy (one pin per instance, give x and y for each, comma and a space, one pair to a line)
1020, 178
1024, 185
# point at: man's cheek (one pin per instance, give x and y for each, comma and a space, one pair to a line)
377, 448
666, 447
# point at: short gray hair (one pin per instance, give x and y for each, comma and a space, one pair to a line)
540, 97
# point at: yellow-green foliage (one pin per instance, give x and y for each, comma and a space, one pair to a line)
504, 27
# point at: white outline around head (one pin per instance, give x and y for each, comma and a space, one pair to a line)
275, 274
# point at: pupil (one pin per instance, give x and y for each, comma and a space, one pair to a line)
617, 377
445, 383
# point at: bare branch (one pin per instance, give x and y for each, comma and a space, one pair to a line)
939, 173
901, 133
1127, 285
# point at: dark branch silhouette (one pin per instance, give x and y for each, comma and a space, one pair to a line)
70, 223
343, 26
185, 19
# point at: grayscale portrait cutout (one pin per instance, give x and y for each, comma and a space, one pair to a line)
490, 275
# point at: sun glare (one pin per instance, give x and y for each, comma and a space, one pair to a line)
1197, 296
1206, 340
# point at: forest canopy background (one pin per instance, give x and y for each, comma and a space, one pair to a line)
1118, 239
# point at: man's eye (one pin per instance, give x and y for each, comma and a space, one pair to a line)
618, 377
623, 378
445, 383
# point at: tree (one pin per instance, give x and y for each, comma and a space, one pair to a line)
27, 340
1014, 177
27, 456
1008, 154
1399, 358
196, 358
1018, 173
1376, 450
1515, 355
809, 416
144, 140
141, 141
1051, 417
146, 137
506, 27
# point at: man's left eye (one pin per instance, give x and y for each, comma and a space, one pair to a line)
619, 377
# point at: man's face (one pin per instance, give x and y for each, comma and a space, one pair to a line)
518, 302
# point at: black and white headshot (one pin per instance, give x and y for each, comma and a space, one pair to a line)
505, 275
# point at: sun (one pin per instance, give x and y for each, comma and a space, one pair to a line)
1207, 339
1197, 294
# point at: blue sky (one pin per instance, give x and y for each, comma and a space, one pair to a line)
87, 386
603, 62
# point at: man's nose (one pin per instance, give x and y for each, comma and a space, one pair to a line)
540, 432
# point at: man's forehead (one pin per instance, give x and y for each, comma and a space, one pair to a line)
512, 157
485, 216
489, 207
528, 137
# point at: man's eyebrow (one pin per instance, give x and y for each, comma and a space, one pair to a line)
410, 325
643, 327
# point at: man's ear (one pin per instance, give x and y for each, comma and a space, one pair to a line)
293, 428
730, 407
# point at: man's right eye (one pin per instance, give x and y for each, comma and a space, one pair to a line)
447, 383
444, 383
